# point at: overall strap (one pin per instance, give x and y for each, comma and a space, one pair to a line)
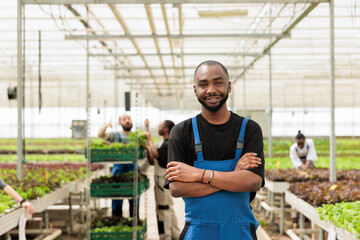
240, 140
198, 145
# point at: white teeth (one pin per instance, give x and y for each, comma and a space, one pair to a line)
210, 98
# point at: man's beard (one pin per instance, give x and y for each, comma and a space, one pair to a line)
215, 108
126, 128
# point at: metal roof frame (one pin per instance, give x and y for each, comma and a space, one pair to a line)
47, 2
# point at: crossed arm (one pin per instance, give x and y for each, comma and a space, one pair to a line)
185, 180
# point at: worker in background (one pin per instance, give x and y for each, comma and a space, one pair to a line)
303, 152
11, 192
157, 155
206, 163
124, 136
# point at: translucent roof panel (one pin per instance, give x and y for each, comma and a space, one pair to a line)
153, 49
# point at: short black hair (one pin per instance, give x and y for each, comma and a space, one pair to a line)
299, 136
169, 124
212, 63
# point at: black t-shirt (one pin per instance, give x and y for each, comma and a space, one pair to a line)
163, 152
218, 142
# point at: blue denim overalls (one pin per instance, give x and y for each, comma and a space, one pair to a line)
223, 215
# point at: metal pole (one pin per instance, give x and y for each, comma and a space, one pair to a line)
270, 107
136, 169
88, 139
116, 81
270, 93
332, 95
20, 92
282, 212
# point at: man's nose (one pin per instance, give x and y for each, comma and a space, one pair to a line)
211, 89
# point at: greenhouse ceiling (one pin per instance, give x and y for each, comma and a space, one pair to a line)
152, 47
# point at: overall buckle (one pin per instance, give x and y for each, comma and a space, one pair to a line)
240, 143
198, 147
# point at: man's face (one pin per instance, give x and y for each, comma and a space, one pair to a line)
211, 87
162, 129
125, 122
300, 143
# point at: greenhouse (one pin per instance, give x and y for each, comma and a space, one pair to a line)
179, 119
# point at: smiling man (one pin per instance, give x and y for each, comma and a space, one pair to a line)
216, 163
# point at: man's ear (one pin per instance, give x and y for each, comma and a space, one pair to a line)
194, 90
229, 87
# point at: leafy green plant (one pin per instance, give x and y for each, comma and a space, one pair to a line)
343, 215
9, 158
38, 180
114, 224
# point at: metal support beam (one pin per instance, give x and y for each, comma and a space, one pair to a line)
276, 40
166, 22
250, 54
149, 77
149, 84
168, 68
175, 36
88, 138
156, 40
19, 89
270, 108
332, 96
126, 29
165, 1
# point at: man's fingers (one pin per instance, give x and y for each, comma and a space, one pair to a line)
169, 170
171, 177
250, 154
250, 166
246, 159
172, 164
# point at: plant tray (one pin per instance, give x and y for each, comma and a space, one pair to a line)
111, 155
117, 189
140, 235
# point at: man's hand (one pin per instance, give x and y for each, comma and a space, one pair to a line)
147, 124
306, 165
178, 171
29, 206
148, 135
110, 124
248, 160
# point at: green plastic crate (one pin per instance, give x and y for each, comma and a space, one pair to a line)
117, 189
119, 235
111, 155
